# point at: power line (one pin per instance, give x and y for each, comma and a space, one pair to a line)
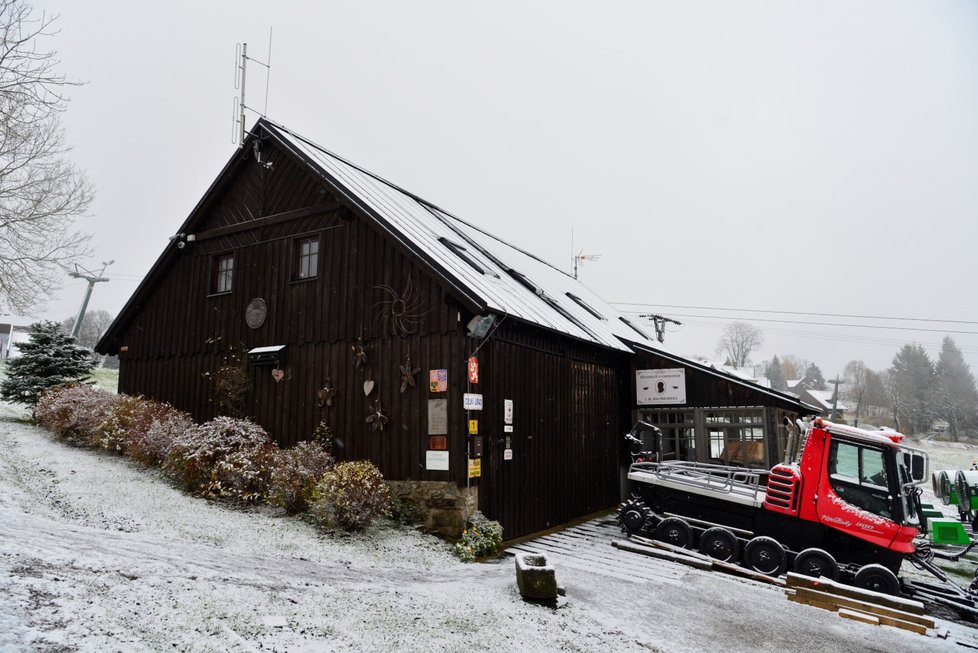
834, 324
752, 310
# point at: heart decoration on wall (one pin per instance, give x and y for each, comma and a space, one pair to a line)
368, 387
278, 375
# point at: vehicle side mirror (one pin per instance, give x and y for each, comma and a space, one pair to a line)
917, 465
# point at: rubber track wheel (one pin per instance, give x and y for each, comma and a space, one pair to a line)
720, 544
877, 578
816, 562
766, 555
675, 531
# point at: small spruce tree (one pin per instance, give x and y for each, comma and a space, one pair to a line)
49, 359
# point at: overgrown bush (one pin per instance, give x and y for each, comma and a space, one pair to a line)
481, 538
350, 496
126, 422
323, 434
74, 412
223, 458
294, 474
150, 448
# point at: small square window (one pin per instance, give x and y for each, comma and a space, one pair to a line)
308, 258
224, 273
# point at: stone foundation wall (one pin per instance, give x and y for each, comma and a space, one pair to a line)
444, 507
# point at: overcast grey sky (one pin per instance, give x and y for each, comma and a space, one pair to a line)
815, 157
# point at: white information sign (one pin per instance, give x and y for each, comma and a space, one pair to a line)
507, 428
436, 461
507, 411
507, 454
660, 386
472, 401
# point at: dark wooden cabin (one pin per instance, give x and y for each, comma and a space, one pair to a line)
351, 302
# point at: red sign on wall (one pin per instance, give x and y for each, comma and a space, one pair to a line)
473, 370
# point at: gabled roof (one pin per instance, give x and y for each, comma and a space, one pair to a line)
486, 273
823, 399
501, 278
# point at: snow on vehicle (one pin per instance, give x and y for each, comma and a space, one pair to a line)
847, 509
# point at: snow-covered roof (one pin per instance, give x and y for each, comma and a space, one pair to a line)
494, 274
824, 398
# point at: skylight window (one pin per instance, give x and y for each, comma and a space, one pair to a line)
587, 307
634, 328
462, 253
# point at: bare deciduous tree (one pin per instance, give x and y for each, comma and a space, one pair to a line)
93, 327
41, 192
738, 341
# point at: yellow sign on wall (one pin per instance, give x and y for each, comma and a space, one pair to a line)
473, 427
475, 467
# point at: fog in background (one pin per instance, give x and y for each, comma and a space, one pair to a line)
807, 157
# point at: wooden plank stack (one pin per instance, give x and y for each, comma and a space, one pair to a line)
860, 605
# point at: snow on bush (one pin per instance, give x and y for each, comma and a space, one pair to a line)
350, 496
294, 474
151, 446
481, 538
223, 458
127, 422
74, 412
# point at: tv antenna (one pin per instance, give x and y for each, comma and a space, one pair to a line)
580, 257
241, 60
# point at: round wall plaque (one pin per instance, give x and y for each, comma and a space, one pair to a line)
256, 312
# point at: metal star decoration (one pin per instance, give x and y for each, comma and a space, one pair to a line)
377, 419
407, 374
326, 395
359, 354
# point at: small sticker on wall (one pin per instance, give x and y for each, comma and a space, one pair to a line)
438, 380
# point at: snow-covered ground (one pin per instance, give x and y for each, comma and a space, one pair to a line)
98, 554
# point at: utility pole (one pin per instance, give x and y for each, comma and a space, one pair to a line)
835, 397
92, 279
659, 322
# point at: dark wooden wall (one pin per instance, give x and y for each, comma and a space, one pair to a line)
707, 390
570, 398
182, 331
568, 424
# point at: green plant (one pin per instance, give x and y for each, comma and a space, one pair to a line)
404, 511
295, 473
51, 358
323, 434
350, 496
481, 538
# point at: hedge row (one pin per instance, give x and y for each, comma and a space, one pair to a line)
225, 458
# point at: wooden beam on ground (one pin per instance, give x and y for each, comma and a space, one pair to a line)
859, 616
881, 611
834, 587
662, 554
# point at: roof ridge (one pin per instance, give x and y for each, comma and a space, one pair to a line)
428, 205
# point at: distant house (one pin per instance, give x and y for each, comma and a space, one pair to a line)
474, 374
822, 399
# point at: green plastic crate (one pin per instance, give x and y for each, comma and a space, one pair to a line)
948, 531
930, 513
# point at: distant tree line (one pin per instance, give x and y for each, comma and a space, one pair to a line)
914, 395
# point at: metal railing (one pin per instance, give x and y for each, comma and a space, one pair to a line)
717, 478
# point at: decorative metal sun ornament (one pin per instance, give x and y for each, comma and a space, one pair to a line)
407, 374
376, 418
401, 313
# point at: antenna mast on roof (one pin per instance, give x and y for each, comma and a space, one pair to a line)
580, 257
241, 60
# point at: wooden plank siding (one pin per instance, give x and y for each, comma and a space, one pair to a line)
567, 427
570, 397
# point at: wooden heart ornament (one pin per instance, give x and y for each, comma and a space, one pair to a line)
368, 387
278, 375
